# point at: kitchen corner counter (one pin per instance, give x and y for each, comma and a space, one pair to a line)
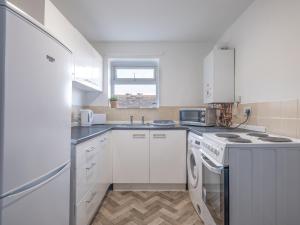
81, 134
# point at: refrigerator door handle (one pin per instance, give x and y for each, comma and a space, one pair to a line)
36, 184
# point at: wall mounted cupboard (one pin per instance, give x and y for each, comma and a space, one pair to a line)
88, 63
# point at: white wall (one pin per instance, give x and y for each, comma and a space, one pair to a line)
267, 42
180, 69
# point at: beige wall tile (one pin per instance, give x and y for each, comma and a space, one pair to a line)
298, 108
289, 127
171, 113
272, 125
269, 109
252, 120
289, 109
298, 128
281, 118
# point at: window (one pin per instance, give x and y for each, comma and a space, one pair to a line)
135, 83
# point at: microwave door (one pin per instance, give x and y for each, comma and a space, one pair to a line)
215, 191
190, 116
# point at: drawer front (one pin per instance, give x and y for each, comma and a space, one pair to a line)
86, 178
86, 208
86, 166
86, 152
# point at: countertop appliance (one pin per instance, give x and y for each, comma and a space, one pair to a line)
198, 116
99, 119
86, 117
255, 175
35, 79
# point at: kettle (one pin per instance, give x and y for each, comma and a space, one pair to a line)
86, 116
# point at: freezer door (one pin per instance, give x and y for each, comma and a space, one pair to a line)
37, 109
47, 203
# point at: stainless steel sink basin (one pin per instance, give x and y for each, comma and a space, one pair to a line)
163, 123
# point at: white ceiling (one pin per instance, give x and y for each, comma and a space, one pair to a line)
152, 20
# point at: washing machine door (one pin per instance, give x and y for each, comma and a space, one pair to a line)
193, 167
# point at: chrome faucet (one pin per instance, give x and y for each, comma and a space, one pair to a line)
143, 120
131, 120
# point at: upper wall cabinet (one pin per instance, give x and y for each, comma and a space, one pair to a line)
218, 76
88, 63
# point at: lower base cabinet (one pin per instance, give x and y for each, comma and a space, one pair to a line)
123, 157
91, 176
149, 157
168, 157
131, 156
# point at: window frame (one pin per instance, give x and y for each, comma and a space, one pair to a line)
134, 64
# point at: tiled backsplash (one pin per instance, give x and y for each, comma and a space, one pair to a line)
278, 117
113, 115
281, 118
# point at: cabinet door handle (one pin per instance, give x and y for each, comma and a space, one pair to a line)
91, 149
159, 136
137, 136
91, 167
92, 198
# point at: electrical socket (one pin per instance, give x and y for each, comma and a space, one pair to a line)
247, 111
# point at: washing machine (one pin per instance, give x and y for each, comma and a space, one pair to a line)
194, 167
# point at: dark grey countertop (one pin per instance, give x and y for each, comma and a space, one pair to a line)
81, 134
201, 130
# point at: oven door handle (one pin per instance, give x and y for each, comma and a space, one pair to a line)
211, 166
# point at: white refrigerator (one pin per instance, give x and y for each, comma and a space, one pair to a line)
35, 122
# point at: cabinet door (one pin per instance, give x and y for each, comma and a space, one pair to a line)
87, 61
131, 156
168, 156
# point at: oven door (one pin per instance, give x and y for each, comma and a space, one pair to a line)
215, 191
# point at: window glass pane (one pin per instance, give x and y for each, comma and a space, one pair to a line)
135, 89
145, 73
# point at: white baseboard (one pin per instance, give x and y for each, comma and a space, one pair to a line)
149, 187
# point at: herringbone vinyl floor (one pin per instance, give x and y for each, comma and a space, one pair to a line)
147, 208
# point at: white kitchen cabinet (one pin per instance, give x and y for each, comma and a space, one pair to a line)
168, 156
145, 157
88, 63
91, 177
85, 167
218, 76
131, 156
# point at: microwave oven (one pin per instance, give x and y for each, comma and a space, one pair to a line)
198, 117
